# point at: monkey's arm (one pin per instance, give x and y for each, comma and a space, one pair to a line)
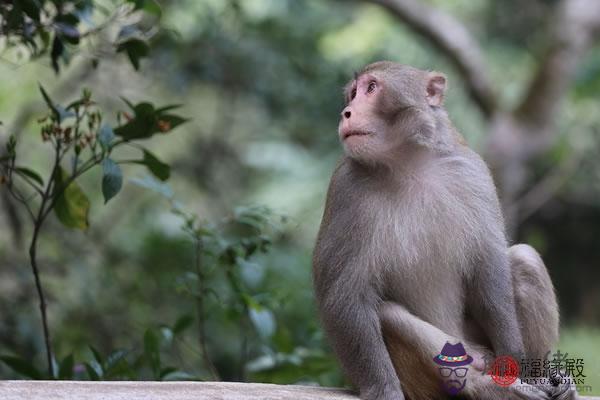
492, 302
350, 317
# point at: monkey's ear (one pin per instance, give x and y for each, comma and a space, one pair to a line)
436, 87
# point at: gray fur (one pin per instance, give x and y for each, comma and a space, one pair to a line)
412, 220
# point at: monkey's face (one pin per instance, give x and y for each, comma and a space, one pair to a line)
361, 129
387, 106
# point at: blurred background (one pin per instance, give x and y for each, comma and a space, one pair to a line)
222, 290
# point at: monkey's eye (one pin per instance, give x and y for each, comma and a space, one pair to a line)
353, 94
371, 87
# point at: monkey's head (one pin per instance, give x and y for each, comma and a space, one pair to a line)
387, 106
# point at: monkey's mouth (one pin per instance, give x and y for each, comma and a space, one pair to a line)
346, 135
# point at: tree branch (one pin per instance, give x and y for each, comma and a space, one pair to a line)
574, 27
453, 39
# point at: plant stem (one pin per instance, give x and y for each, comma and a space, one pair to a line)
200, 310
37, 226
40, 292
45, 209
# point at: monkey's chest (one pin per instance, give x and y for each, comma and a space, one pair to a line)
420, 239
422, 263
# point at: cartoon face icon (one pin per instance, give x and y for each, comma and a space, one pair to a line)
453, 361
454, 379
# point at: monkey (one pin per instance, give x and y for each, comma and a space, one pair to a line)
412, 252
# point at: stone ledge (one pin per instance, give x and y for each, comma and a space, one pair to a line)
85, 390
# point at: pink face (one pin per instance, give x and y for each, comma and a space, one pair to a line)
360, 131
361, 97
385, 110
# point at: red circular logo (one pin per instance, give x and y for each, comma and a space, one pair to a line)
504, 371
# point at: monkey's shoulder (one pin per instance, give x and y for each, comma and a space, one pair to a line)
462, 173
463, 167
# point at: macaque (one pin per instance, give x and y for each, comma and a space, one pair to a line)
412, 253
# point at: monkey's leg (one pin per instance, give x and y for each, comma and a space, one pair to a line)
535, 301
537, 309
413, 343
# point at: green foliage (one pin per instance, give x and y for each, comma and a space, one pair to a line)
55, 27
22, 367
158, 168
118, 364
65, 369
112, 179
148, 121
136, 49
78, 132
105, 136
71, 205
29, 173
96, 146
152, 353
263, 80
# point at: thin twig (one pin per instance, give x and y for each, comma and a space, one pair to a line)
38, 222
200, 310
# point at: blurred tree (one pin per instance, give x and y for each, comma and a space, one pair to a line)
517, 134
262, 81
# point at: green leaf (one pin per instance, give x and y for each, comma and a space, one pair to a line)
72, 206
65, 370
263, 320
68, 29
129, 103
144, 109
152, 7
21, 367
158, 168
105, 136
169, 107
49, 102
97, 356
166, 335
152, 352
137, 4
114, 359
93, 371
31, 8
121, 369
112, 179
148, 121
136, 49
31, 174
182, 324
58, 49
116, 356
142, 126
64, 113
170, 121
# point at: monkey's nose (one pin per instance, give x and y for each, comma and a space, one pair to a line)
346, 113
